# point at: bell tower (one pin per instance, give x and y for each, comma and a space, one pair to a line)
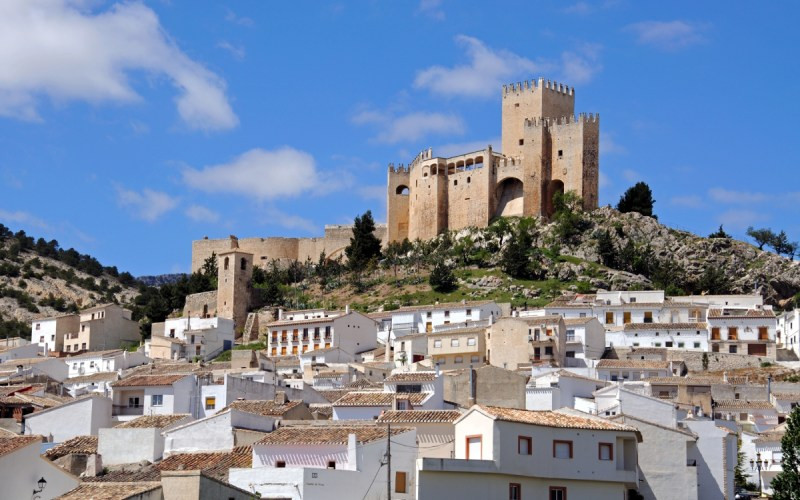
233, 284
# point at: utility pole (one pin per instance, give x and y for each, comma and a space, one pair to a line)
388, 461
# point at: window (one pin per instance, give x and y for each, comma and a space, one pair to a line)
626, 317
409, 388
524, 445
680, 344
474, 447
400, 482
226, 263
133, 403
763, 333
715, 333
697, 345
211, 402
562, 449
437, 344
570, 335
52, 337
459, 359
609, 317
447, 314
157, 400
605, 451
454, 343
582, 315
733, 333
243, 264
38, 326
560, 153
669, 344
469, 312
331, 464
83, 345
280, 464
41, 339
648, 316
521, 142
472, 341
733, 349
514, 491
67, 348
570, 354
548, 351
402, 405
475, 359
558, 493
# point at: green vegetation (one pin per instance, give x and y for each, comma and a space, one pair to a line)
786, 485
13, 328
365, 247
638, 198
719, 233
779, 242
442, 279
255, 346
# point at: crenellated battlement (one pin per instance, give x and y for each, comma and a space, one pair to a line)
399, 169
425, 154
508, 161
540, 84
564, 120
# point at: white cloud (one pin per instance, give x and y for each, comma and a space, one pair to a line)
22, 218
264, 174
139, 128
290, 221
62, 50
234, 18
583, 8
432, 9
458, 148
411, 126
483, 76
610, 146
631, 175
667, 35
147, 204
488, 69
741, 219
373, 192
688, 201
199, 213
723, 195
603, 180
237, 51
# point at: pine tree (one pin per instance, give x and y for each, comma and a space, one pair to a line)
638, 198
606, 250
786, 485
442, 279
364, 245
762, 236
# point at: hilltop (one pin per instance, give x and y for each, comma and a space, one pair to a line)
39, 279
578, 252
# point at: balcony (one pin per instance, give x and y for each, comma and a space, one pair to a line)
127, 410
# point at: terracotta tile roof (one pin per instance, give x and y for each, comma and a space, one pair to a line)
25, 399
327, 435
443, 305
664, 326
153, 421
109, 491
459, 331
321, 409
683, 380
419, 416
7, 390
309, 321
171, 340
82, 445
361, 383
215, 464
264, 408
148, 380
170, 368
333, 395
577, 321
146, 474
567, 373
329, 374
12, 444
553, 419
411, 377
742, 404
769, 437
285, 360
739, 313
791, 396
94, 377
377, 398
625, 418
633, 363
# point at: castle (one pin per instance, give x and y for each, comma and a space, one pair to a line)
546, 149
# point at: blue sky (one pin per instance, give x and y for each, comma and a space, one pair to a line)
129, 129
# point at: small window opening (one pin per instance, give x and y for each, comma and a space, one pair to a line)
560, 153
521, 142
469, 179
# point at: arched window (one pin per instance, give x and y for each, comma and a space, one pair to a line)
402, 190
225, 265
243, 264
205, 310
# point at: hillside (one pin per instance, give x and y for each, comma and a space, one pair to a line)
39, 279
578, 252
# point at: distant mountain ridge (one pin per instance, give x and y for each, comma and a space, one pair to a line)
161, 279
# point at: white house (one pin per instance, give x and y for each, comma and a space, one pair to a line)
18, 350
766, 448
112, 360
138, 439
509, 453
80, 417
435, 429
401, 391
585, 339
743, 331
784, 402
760, 415
616, 399
48, 333
352, 332
22, 469
637, 369
677, 336
561, 388
15, 370
98, 383
326, 462
788, 331
215, 433
717, 451
155, 395
187, 338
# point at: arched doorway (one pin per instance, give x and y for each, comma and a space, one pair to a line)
509, 195
553, 187
402, 190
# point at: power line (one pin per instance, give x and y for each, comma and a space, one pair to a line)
372, 482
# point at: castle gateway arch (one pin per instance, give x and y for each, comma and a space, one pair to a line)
509, 196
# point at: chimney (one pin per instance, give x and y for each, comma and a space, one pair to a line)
347, 309
280, 313
769, 387
281, 398
725, 377
471, 399
436, 369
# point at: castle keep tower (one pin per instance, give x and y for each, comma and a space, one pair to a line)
233, 290
546, 150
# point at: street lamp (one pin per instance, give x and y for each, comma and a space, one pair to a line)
42, 483
757, 464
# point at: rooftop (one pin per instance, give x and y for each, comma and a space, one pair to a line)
327, 435
664, 326
411, 377
740, 313
153, 421
419, 416
94, 377
377, 398
742, 404
148, 380
110, 491
82, 445
94, 354
264, 408
633, 363
12, 444
552, 419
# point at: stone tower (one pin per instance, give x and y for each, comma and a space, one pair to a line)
233, 291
